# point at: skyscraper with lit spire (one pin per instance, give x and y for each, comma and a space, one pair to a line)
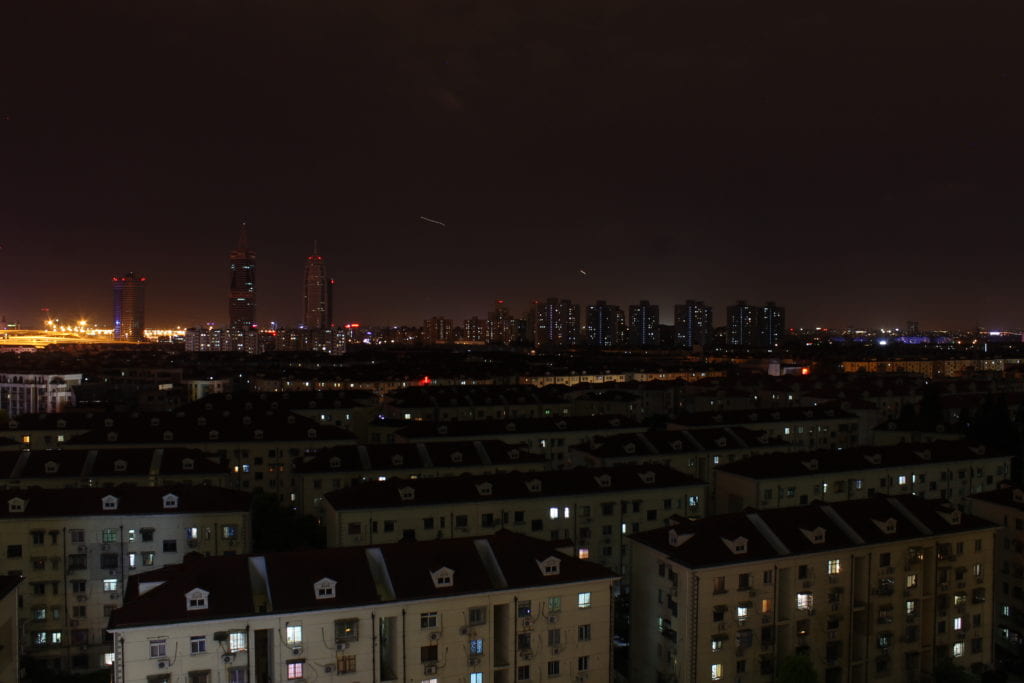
242, 304
317, 291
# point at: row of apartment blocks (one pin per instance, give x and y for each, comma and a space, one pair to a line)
501, 608
884, 587
591, 510
880, 588
76, 548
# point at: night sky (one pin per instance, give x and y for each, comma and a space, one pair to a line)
859, 164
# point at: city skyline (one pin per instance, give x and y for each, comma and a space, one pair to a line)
837, 159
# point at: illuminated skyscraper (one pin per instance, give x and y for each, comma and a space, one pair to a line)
693, 324
605, 325
242, 304
129, 307
644, 324
742, 322
756, 326
556, 323
317, 314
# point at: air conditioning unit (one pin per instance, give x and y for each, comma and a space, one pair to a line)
227, 658
526, 654
83, 548
328, 668
557, 650
473, 661
163, 663
527, 622
435, 636
106, 546
553, 619
430, 669
343, 646
463, 630
297, 650
115, 596
83, 598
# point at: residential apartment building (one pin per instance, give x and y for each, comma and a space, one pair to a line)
37, 392
78, 467
257, 445
1005, 507
314, 474
589, 509
951, 470
881, 588
695, 452
501, 608
10, 643
459, 403
76, 548
553, 437
807, 427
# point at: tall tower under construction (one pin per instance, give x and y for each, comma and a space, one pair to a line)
129, 307
317, 294
242, 304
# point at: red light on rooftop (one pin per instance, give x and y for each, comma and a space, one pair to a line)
425, 381
805, 371
351, 326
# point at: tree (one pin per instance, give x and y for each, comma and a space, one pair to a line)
796, 669
947, 671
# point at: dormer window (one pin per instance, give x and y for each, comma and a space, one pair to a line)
335, 463
120, 465
738, 546
1018, 496
443, 577
456, 456
676, 539
311, 433
407, 493
16, 505
875, 459
246, 420
108, 422
214, 435
816, 535
629, 448
510, 427
109, 502
952, 516
924, 455
485, 488
154, 422
676, 445
647, 477
442, 429
61, 424
603, 480
257, 433
188, 464
170, 502
324, 589
513, 454
721, 442
197, 598
168, 435
550, 566
51, 467
888, 526
397, 460
811, 465
111, 437
533, 486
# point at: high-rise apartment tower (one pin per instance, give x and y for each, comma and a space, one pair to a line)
242, 304
129, 307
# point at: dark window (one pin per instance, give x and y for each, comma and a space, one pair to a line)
108, 561
170, 546
428, 653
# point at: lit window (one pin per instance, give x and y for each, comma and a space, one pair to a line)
716, 672
911, 580
476, 646
742, 611
476, 677
110, 585
583, 600
565, 513
108, 658
295, 670
555, 604
834, 566
583, 553
293, 634
805, 601
198, 645
236, 641
553, 513
958, 649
